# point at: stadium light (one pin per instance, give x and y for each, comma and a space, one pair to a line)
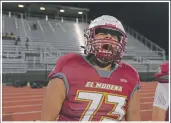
42, 8
61, 10
80, 13
20, 6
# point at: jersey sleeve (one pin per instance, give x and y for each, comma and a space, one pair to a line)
57, 71
57, 68
161, 97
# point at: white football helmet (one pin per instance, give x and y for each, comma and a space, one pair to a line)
106, 50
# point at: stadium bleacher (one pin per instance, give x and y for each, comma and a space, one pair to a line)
53, 38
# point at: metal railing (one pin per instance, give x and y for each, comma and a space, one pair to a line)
142, 39
46, 17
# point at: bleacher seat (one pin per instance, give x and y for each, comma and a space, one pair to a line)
53, 36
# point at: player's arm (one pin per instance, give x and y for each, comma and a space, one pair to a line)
54, 97
160, 104
158, 114
133, 110
55, 92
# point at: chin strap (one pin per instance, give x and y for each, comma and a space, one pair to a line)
95, 61
101, 64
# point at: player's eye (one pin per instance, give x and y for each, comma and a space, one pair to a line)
115, 37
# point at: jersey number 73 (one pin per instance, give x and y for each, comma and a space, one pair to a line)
95, 100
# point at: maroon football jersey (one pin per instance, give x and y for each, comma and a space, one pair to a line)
93, 94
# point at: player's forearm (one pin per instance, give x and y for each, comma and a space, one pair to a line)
50, 110
133, 115
134, 110
53, 100
158, 114
46, 117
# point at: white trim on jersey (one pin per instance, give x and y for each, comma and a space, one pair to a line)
161, 97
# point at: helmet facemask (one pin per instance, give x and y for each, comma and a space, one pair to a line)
106, 50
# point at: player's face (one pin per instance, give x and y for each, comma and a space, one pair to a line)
106, 36
107, 46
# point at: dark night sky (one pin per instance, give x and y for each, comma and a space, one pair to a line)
149, 19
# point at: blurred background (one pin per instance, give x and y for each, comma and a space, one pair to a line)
35, 35
41, 32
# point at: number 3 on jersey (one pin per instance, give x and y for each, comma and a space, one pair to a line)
95, 100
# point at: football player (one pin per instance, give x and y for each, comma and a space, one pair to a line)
98, 86
161, 98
